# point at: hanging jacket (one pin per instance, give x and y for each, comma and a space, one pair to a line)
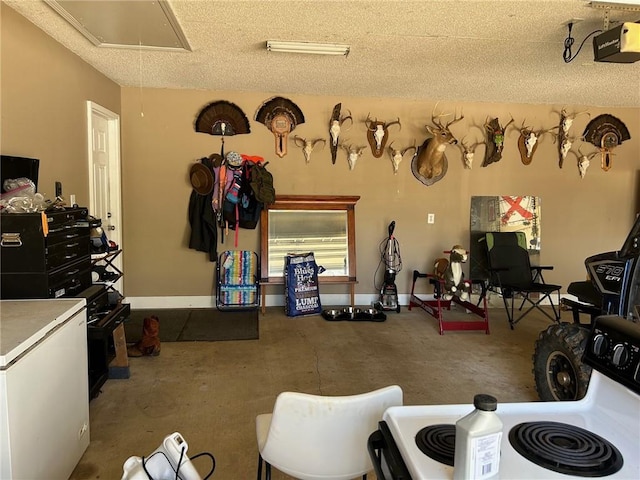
202, 218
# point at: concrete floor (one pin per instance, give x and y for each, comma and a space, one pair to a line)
212, 392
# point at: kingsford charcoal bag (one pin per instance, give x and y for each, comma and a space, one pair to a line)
302, 296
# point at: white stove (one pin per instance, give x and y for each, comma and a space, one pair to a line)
610, 410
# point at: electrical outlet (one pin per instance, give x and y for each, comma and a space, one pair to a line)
431, 218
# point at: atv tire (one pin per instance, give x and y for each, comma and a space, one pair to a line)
557, 363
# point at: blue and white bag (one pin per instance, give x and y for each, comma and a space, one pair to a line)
302, 296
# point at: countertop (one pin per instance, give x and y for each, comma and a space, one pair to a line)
25, 322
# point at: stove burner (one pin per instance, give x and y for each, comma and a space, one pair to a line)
565, 449
438, 442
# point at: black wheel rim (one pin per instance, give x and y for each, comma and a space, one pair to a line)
562, 377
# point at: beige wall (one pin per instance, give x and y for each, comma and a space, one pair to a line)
44, 89
579, 216
44, 92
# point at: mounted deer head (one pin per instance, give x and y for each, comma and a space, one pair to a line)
430, 161
528, 142
307, 146
562, 137
397, 155
353, 154
378, 134
335, 126
468, 152
495, 140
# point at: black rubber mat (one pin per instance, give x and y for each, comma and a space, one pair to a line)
199, 324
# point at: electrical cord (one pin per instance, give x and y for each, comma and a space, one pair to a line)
182, 450
393, 261
213, 463
395, 265
568, 43
146, 459
375, 275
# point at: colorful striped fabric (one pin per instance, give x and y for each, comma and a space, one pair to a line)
238, 278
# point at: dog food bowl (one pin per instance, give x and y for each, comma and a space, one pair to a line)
336, 314
354, 313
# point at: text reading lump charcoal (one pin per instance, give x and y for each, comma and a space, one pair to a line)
301, 285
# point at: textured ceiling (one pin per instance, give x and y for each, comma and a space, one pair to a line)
457, 50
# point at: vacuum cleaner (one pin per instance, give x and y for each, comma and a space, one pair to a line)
390, 256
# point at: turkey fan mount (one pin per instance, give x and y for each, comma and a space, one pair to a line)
280, 115
606, 132
222, 119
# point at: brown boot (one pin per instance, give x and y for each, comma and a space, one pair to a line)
149, 344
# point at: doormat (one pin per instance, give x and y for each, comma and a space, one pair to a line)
196, 324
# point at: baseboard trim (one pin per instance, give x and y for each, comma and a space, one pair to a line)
139, 303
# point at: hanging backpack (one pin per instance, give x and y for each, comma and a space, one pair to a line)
262, 183
249, 206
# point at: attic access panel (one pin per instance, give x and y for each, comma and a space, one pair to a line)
124, 24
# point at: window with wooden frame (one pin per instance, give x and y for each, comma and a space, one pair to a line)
322, 224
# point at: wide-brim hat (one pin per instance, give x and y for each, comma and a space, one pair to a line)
216, 160
201, 178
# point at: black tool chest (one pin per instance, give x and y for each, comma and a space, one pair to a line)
104, 313
45, 254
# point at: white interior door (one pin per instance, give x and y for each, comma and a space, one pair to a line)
105, 181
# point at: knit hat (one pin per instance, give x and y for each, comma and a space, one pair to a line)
234, 159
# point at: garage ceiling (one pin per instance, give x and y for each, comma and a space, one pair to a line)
463, 50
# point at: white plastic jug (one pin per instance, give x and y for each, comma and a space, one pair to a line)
478, 437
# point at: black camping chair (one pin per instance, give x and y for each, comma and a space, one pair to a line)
511, 272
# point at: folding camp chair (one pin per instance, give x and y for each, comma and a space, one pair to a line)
237, 282
511, 274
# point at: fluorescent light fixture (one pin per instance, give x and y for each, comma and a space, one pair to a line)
307, 47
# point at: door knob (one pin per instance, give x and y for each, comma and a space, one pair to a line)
111, 227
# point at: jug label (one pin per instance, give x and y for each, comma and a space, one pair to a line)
486, 455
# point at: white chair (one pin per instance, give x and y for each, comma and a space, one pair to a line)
312, 437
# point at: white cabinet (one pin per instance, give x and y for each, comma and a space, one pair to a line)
44, 401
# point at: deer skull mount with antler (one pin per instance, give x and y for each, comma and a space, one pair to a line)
430, 163
528, 143
584, 160
378, 134
335, 126
468, 152
562, 137
353, 154
564, 146
397, 155
495, 140
307, 146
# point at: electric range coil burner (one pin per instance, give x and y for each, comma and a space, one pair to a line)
565, 448
438, 442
